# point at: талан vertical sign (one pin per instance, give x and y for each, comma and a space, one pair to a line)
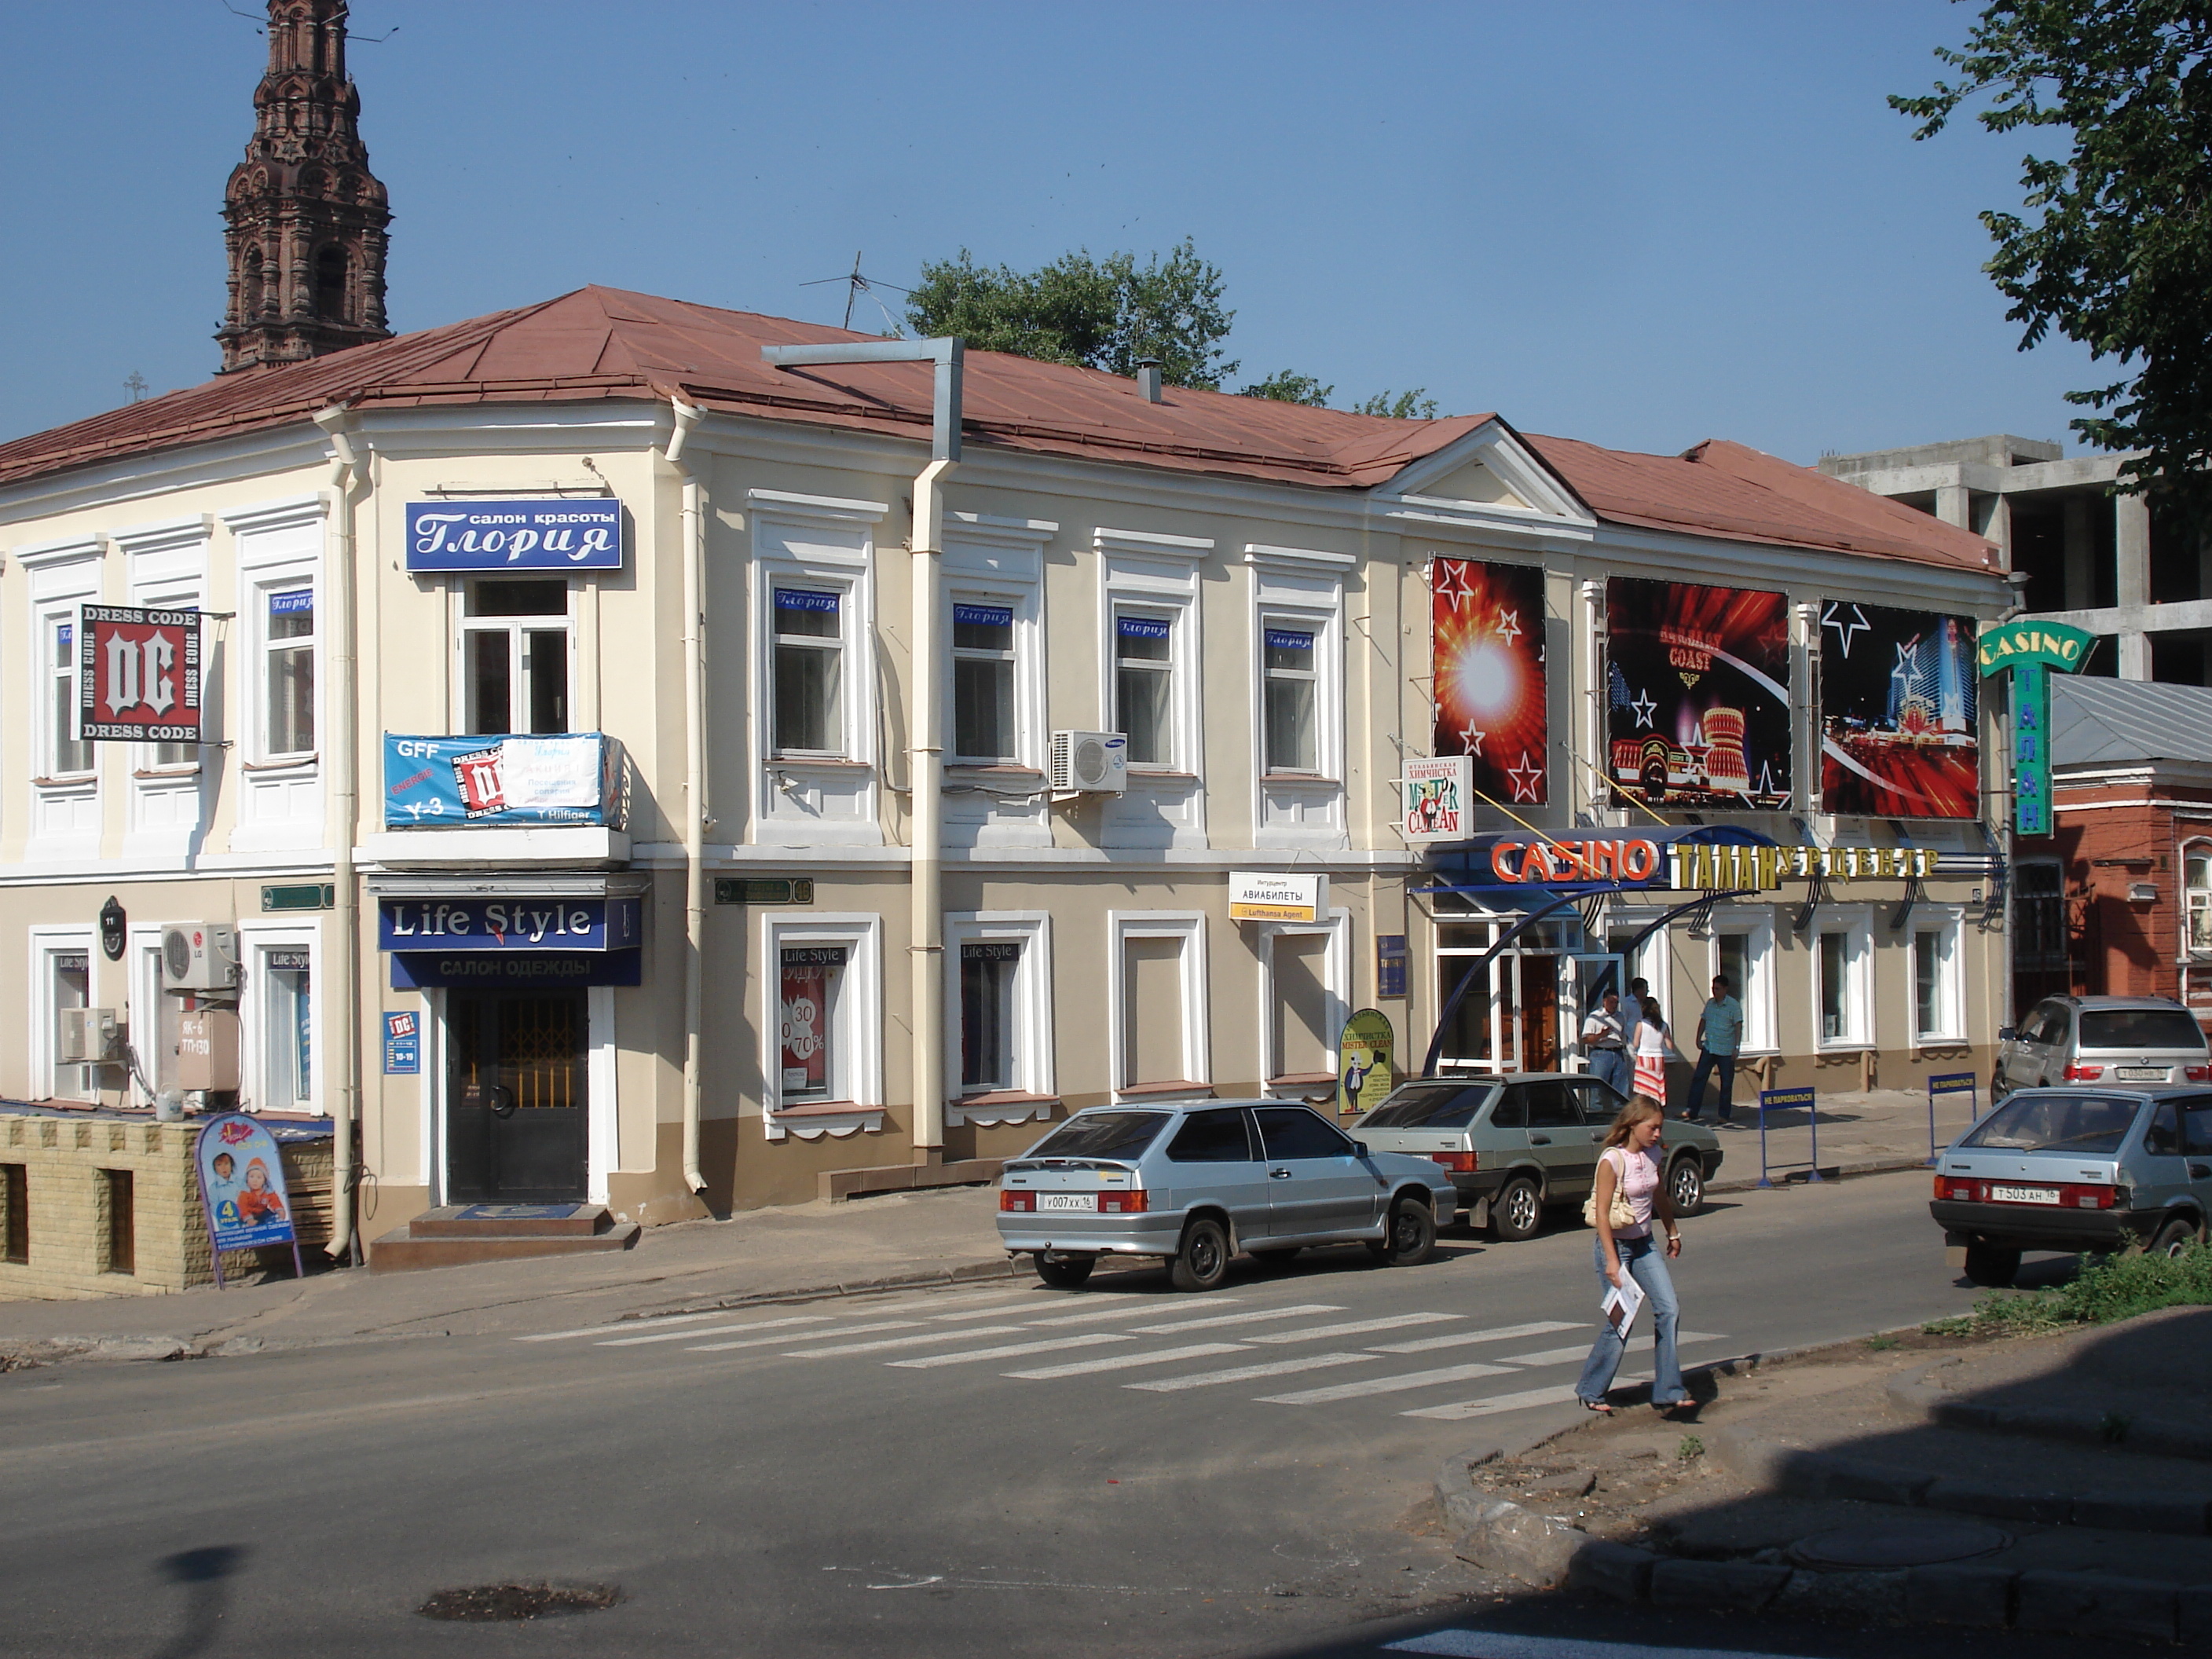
137, 674
2028, 651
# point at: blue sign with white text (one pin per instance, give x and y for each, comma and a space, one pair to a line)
434, 783
507, 924
403, 1045
525, 535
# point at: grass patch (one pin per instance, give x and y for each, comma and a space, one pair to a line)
2107, 1288
1691, 1449
1881, 1344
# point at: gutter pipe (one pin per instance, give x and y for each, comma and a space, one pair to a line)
346, 471
687, 419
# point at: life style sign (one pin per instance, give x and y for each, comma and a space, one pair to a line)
515, 535
508, 924
137, 674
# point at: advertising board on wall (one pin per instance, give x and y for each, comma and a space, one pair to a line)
515, 535
137, 674
1263, 895
445, 783
1898, 732
1486, 626
1698, 694
241, 1179
1436, 798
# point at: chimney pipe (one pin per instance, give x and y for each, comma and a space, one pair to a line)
1148, 379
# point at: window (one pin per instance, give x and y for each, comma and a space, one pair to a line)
999, 1063
119, 1198
1551, 1107
1157, 1002
2197, 898
288, 1014
811, 988
514, 642
1835, 987
1143, 686
823, 1000
1840, 995
288, 671
1732, 962
2039, 916
1927, 983
71, 988
809, 663
1292, 738
66, 755
989, 970
1103, 1135
1218, 1136
984, 727
15, 1223
1306, 991
1291, 1132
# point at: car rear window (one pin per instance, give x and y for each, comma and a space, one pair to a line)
1429, 1106
2139, 1028
1102, 1134
2070, 1121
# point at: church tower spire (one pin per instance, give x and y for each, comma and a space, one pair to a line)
306, 216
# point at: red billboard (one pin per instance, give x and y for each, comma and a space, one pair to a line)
1488, 627
137, 675
1697, 695
1900, 735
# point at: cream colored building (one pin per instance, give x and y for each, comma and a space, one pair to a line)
1240, 589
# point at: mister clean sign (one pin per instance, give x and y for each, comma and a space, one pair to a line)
523, 535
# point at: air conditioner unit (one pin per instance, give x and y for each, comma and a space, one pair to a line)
199, 956
1088, 762
89, 1036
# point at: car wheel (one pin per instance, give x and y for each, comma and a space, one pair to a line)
2173, 1238
1990, 1265
1065, 1269
1686, 1186
1203, 1261
1517, 1211
1277, 1258
1409, 1238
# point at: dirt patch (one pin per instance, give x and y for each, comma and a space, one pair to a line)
485, 1604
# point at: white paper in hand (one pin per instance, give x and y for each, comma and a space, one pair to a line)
1619, 1305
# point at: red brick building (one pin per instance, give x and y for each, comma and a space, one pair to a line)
2118, 900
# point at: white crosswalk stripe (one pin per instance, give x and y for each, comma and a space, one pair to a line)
1563, 1356
1125, 1311
714, 1330
1122, 1362
1013, 1350
1467, 1339
1253, 1318
1496, 1403
883, 1344
1398, 1383
1312, 1362
1356, 1328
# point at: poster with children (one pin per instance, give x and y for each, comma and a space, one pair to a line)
242, 1179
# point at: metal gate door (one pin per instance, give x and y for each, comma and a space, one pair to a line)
516, 1097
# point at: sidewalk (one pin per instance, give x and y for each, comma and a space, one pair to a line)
1861, 1133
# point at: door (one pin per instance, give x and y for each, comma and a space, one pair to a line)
2041, 1042
1560, 1139
2163, 1172
1317, 1187
515, 1096
1215, 1156
1539, 1013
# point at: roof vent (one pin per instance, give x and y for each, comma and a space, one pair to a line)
1148, 379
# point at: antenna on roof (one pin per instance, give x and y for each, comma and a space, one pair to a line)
855, 286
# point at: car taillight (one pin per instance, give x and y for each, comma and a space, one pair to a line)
2197, 1073
2075, 1195
1459, 1163
1010, 1200
2083, 1073
1133, 1203
1966, 1192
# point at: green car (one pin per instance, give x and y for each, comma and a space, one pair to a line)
1519, 1144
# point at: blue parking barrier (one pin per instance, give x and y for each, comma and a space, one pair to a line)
1774, 1100
1950, 1083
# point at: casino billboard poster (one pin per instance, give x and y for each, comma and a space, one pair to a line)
1698, 694
1899, 732
1486, 624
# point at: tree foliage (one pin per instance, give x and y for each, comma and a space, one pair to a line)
1097, 313
1289, 386
1415, 406
2115, 246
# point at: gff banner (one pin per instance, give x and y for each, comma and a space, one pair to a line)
137, 674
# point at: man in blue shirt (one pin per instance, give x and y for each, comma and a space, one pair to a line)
1720, 1035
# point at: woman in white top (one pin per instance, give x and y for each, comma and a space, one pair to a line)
1652, 1045
1630, 1165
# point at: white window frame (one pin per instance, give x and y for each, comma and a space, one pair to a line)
1159, 575
464, 626
1755, 924
1336, 985
166, 566
1022, 729
45, 945
257, 940
1302, 590
279, 548
142, 957
2200, 847
1035, 1071
1189, 927
63, 575
262, 645
857, 1077
1949, 922
1855, 922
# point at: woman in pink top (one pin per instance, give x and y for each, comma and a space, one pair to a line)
1629, 1164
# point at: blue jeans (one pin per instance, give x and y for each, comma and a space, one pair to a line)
1708, 1063
1642, 1260
1611, 1066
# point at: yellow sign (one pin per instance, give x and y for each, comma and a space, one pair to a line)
1364, 1053
1261, 895
1760, 869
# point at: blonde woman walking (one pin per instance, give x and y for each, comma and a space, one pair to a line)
1630, 1166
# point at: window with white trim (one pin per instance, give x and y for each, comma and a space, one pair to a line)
2197, 898
1157, 1003
64, 755
1938, 1005
1743, 951
1304, 997
61, 979
810, 1001
286, 681
985, 723
1290, 690
1144, 683
999, 1015
824, 985
285, 974
515, 657
1842, 1006
809, 687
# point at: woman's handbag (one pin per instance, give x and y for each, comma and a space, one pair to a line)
1622, 1213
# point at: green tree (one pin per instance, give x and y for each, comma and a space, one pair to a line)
1097, 313
1415, 406
1289, 386
2115, 249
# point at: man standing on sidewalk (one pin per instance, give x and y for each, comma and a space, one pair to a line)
1720, 1034
1605, 1040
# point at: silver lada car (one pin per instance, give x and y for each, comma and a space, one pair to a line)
1194, 1184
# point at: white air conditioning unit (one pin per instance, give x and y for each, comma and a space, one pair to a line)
1088, 762
199, 956
89, 1036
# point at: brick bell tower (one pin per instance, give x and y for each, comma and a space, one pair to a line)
306, 216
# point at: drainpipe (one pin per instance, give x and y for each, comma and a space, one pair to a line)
344, 1032
695, 786
925, 738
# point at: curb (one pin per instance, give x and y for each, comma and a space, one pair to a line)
1829, 1171
1918, 1394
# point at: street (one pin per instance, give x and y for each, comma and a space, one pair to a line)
1003, 1469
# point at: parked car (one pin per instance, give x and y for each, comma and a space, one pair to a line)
2100, 1042
2076, 1169
1194, 1184
1519, 1143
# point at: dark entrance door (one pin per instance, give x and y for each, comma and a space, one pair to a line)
515, 1096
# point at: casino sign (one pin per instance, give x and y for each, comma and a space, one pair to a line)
1699, 859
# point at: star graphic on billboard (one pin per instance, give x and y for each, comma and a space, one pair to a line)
1450, 582
1526, 776
1473, 737
1856, 623
1509, 626
1643, 708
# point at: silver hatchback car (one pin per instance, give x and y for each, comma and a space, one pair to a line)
1195, 1184
2097, 1041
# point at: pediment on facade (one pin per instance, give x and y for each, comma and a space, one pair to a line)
1488, 470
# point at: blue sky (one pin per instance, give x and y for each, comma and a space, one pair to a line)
1641, 224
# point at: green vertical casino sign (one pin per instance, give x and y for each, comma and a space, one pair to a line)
2029, 652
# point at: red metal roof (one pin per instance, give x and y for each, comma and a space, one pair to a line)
599, 343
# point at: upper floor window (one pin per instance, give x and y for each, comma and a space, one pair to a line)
66, 754
288, 670
2196, 898
810, 671
515, 648
1292, 680
984, 727
1144, 685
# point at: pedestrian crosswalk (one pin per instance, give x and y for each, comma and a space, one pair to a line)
1428, 1363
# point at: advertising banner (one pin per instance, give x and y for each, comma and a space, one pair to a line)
443, 782
1899, 732
242, 1186
1363, 1054
1698, 694
1486, 624
403, 1045
137, 674
1436, 798
2029, 652
811, 973
1263, 895
524, 535
445, 925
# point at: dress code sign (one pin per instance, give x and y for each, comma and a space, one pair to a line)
137, 674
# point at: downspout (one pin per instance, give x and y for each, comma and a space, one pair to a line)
343, 1030
926, 778
695, 786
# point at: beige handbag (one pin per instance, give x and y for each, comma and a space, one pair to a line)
1622, 1214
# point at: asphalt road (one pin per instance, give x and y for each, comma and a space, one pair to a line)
807, 1487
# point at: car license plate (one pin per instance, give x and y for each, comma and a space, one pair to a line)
2143, 1073
1086, 1200
2024, 1195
